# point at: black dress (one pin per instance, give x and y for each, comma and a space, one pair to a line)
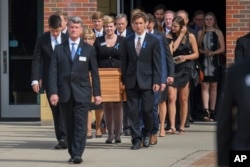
183, 70
210, 64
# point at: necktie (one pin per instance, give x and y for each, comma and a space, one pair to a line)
73, 50
56, 41
138, 46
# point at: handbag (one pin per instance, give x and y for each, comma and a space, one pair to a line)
197, 73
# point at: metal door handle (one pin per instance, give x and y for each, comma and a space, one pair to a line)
5, 62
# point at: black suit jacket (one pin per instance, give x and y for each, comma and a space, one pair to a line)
233, 132
128, 32
242, 49
144, 69
71, 77
41, 58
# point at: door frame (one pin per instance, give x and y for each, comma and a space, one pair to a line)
10, 111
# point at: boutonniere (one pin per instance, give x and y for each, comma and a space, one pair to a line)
144, 45
79, 51
117, 46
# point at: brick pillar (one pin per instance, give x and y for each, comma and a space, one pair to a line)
237, 24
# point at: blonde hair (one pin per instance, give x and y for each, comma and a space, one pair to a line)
108, 19
88, 33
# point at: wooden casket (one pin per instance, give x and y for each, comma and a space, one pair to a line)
112, 89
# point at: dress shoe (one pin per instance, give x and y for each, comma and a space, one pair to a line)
127, 132
136, 146
118, 141
70, 160
153, 139
61, 145
77, 160
146, 141
108, 141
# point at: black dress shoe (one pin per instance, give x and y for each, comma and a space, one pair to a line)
136, 146
70, 160
77, 160
127, 132
146, 141
108, 141
118, 141
61, 145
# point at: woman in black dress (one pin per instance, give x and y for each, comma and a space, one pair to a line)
211, 45
110, 49
184, 47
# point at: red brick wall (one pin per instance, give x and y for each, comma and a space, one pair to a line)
82, 8
237, 24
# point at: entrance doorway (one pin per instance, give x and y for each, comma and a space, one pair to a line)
19, 30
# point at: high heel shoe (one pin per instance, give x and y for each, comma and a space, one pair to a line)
206, 116
211, 115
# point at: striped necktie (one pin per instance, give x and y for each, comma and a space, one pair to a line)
138, 46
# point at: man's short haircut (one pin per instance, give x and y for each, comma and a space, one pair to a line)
139, 15
75, 20
151, 18
55, 21
198, 12
121, 15
159, 7
62, 13
97, 15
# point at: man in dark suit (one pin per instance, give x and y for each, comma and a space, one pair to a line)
121, 21
141, 71
167, 63
242, 49
233, 113
40, 71
70, 86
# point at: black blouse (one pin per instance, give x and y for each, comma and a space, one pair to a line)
110, 57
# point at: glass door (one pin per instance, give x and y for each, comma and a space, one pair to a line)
18, 33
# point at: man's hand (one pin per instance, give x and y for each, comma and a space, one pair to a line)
163, 87
36, 88
54, 99
170, 80
156, 87
98, 100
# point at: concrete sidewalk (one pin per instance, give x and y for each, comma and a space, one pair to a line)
31, 145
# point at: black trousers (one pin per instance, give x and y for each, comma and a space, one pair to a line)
139, 100
76, 117
59, 125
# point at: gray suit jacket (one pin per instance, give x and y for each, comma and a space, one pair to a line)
69, 77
